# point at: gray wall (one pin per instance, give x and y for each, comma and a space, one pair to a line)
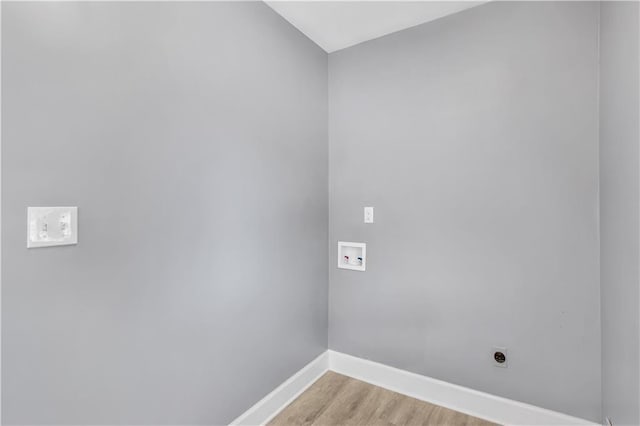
475, 137
193, 138
619, 213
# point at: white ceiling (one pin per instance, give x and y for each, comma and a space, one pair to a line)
334, 25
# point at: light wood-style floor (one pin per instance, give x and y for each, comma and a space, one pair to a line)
340, 400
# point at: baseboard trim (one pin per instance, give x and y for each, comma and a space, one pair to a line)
472, 402
267, 408
475, 403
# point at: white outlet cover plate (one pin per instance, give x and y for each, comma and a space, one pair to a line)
368, 215
52, 226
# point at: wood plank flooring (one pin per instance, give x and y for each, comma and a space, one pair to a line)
335, 399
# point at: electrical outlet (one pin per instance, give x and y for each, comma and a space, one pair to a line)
368, 215
500, 357
52, 226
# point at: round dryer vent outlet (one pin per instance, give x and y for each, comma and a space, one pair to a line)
500, 357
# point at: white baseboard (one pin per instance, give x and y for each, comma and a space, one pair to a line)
267, 408
475, 403
472, 402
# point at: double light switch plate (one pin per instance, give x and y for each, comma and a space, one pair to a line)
52, 226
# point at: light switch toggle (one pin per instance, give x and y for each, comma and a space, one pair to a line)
52, 226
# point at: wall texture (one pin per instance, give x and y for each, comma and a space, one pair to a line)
193, 138
619, 212
475, 137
